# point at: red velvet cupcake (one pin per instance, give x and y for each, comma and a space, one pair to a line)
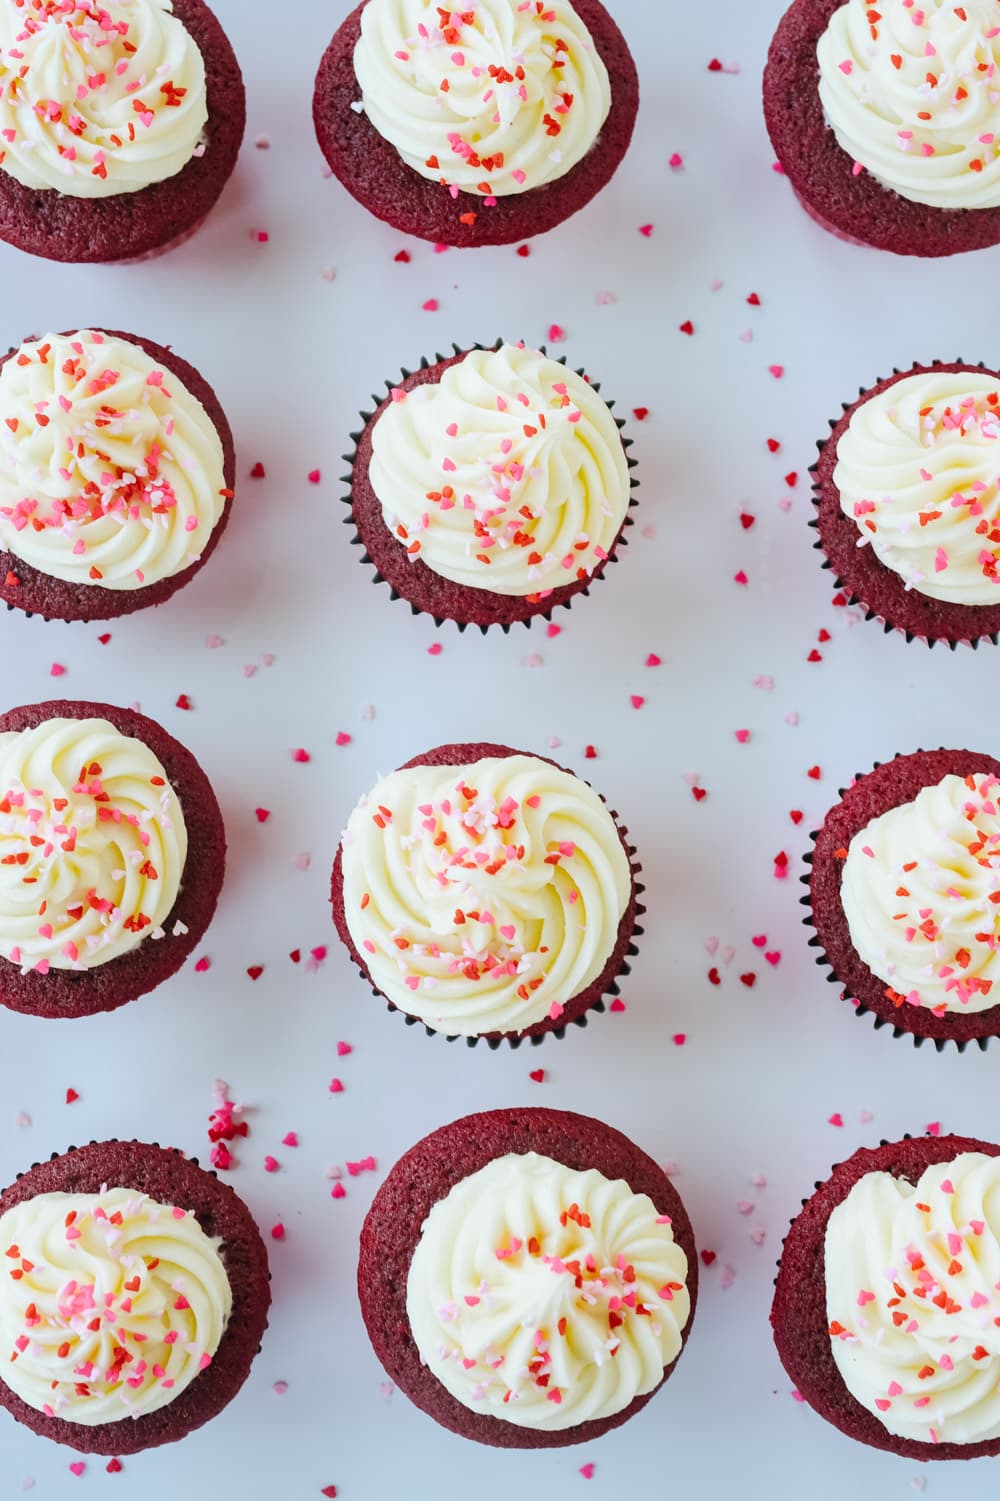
136, 1300
905, 1359
504, 1262
489, 894
490, 487
476, 127
122, 121
902, 895
908, 502
112, 857
882, 146
116, 475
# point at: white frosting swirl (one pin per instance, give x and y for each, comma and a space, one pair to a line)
493, 99
913, 96
110, 1304
544, 1296
483, 898
917, 470
92, 845
508, 475
921, 893
111, 472
97, 97
911, 1293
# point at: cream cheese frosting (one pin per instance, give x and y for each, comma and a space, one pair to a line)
98, 97
544, 1296
912, 1274
92, 845
110, 1304
507, 475
111, 471
483, 898
921, 893
918, 470
493, 99
912, 94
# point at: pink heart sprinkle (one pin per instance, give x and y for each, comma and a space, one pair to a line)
343, 738
836, 1120
773, 956
712, 945
743, 736
343, 1048
271, 1164
338, 1191
934, 1129
646, 230
746, 337
77, 1467
777, 371
290, 1140
587, 1471
617, 1005
792, 718
759, 940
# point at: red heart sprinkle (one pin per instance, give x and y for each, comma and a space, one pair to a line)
590, 754
183, 702
796, 815
814, 656
699, 793
839, 599
403, 256
814, 772
105, 638
749, 979
331, 1490
746, 520
714, 977
774, 445
715, 66
524, 249
71, 1095
753, 300
824, 635
263, 814
791, 480
255, 971
707, 1257
687, 327
257, 472
113, 1466
538, 1074
640, 413
295, 955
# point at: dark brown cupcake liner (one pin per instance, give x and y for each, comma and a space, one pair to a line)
561, 598
804, 1350
89, 602
424, 1176
67, 994
928, 1028
982, 622
216, 1206
606, 985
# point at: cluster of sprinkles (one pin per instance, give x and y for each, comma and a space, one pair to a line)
918, 1292
976, 418
37, 832
942, 90
591, 1292
466, 837
502, 519
98, 488
98, 1338
503, 85
959, 966
101, 44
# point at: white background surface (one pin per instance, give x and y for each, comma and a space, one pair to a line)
293, 355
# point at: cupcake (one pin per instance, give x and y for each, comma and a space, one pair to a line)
490, 487
908, 502
528, 1278
886, 120
120, 122
886, 1309
116, 474
135, 1299
903, 896
479, 126
112, 855
487, 893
